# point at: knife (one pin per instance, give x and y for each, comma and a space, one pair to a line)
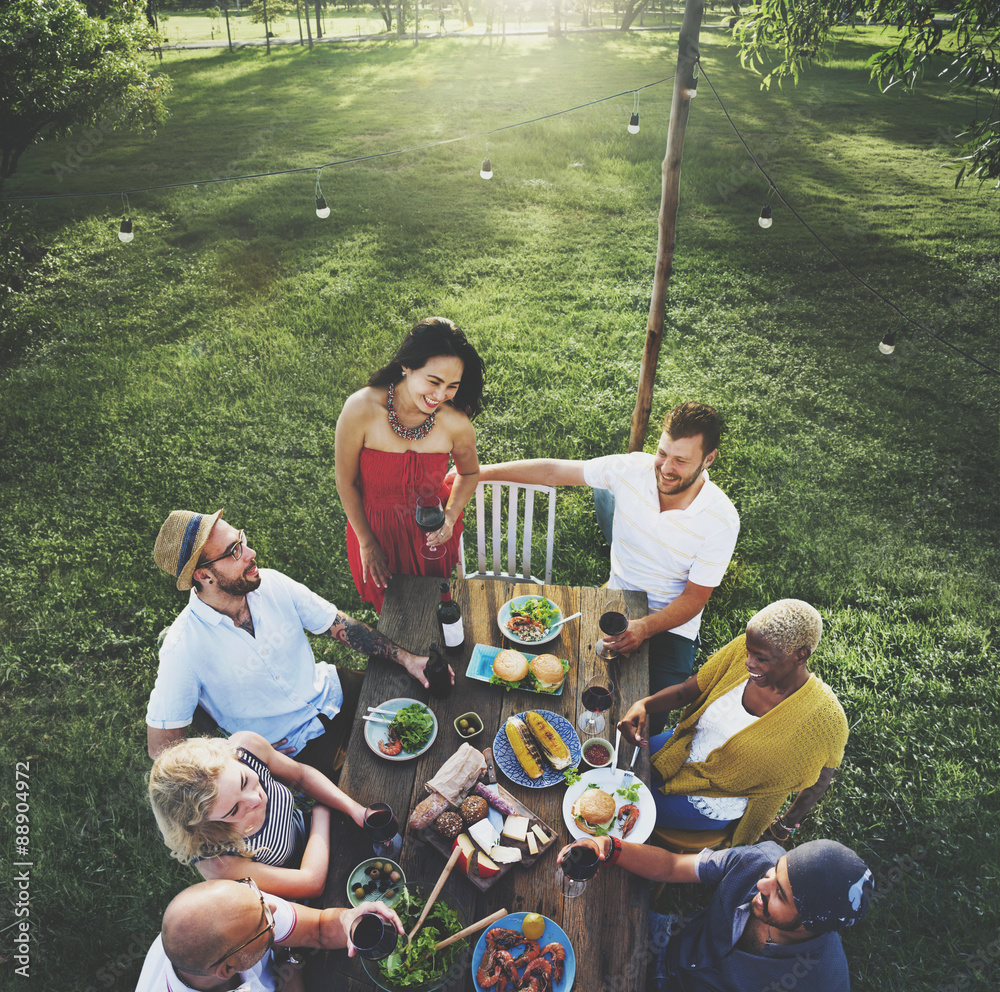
496, 817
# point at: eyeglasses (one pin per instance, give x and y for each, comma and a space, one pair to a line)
267, 915
235, 552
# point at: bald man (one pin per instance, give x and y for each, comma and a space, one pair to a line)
218, 936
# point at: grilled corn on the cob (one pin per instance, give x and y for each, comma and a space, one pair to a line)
525, 749
553, 746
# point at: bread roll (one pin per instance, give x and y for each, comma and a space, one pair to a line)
511, 666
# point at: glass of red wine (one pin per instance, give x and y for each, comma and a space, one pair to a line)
382, 829
578, 864
614, 621
430, 517
373, 936
596, 698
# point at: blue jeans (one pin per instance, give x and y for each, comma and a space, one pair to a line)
675, 812
671, 657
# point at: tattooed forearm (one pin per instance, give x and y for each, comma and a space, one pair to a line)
361, 637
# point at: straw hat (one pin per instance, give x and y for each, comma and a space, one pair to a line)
179, 543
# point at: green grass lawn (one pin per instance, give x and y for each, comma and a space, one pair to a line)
205, 364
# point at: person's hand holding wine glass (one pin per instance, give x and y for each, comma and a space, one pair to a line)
614, 623
430, 517
382, 829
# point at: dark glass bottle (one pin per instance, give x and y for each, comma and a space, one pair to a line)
450, 617
437, 673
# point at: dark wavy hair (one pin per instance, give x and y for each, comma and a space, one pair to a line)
427, 339
691, 419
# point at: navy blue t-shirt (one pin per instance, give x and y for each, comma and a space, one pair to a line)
701, 954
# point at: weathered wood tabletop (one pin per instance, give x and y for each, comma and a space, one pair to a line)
607, 924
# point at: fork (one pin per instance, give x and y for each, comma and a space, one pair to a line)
629, 776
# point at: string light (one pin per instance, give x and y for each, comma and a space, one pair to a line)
690, 89
125, 234
322, 210
486, 172
765, 216
888, 343
633, 124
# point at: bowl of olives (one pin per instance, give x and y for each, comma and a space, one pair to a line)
468, 725
375, 880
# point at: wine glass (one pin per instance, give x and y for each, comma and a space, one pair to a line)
596, 698
429, 515
382, 828
373, 936
614, 621
578, 864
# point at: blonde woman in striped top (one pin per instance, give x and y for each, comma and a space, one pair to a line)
225, 806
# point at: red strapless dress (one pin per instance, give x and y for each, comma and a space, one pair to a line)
390, 482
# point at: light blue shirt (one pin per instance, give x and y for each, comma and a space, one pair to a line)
269, 683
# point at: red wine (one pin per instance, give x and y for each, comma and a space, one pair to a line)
438, 676
449, 616
597, 698
580, 863
613, 624
380, 822
373, 936
430, 518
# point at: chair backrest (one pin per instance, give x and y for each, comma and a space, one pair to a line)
496, 528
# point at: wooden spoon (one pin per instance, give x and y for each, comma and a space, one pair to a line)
435, 892
455, 937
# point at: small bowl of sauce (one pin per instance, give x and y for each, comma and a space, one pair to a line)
597, 752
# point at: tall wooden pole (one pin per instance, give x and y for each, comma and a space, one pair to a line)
687, 56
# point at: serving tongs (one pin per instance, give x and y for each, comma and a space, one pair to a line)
435, 892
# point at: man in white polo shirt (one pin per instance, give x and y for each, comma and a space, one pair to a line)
673, 531
218, 936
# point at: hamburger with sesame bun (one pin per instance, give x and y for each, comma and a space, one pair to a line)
594, 811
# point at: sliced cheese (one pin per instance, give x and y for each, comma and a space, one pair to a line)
532, 844
505, 855
483, 834
543, 837
516, 828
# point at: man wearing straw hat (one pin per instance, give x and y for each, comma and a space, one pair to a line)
239, 651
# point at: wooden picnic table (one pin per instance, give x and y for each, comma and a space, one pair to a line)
607, 923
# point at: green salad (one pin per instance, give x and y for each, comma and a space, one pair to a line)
539, 609
419, 963
413, 725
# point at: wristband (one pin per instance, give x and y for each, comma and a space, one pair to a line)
615, 851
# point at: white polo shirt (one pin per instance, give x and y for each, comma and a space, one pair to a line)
269, 683
658, 551
158, 973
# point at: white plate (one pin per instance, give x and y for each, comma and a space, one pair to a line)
609, 779
504, 615
376, 730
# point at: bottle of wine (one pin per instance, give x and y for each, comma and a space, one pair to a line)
450, 617
437, 673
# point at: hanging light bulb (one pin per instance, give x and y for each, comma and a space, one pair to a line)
765, 216
888, 343
633, 124
486, 172
690, 89
322, 210
125, 234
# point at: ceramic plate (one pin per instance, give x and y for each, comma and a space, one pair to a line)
360, 876
609, 779
481, 667
507, 761
552, 933
375, 729
504, 615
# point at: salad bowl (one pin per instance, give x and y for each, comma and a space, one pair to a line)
537, 607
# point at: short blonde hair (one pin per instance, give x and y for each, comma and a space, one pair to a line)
183, 788
788, 624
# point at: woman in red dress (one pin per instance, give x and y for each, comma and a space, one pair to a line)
394, 441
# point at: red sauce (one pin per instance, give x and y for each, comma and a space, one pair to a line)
597, 754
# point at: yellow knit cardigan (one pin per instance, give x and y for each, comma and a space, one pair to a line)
782, 752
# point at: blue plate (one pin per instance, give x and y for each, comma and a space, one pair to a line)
552, 932
507, 761
481, 667
504, 616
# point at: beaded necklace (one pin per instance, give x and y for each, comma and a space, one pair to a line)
408, 433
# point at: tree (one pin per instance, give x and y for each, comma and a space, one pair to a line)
62, 69
631, 9
962, 46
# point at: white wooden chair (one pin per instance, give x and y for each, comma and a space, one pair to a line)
495, 531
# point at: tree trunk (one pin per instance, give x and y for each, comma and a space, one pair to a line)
687, 56
630, 12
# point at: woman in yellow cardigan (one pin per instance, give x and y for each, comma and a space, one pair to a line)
758, 726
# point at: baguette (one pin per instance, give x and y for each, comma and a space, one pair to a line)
427, 811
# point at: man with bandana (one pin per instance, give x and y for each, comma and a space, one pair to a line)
771, 924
